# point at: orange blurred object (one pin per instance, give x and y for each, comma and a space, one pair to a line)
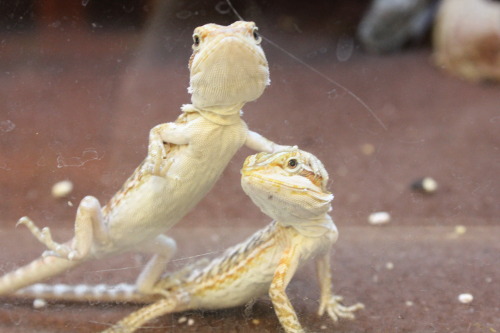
467, 39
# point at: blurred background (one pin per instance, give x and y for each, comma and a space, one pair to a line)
386, 94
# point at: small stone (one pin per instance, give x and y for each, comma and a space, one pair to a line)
39, 303
409, 303
256, 321
465, 298
62, 189
389, 266
323, 327
182, 320
426, 185
190, 322
379, 218
460, 230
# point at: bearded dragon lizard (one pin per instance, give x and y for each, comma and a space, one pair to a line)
289, 186
185, 158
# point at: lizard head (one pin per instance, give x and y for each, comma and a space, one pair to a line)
289, 186
228, 67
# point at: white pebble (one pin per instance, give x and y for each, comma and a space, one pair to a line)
426, 185
389, 266
39, 303
429, 185
182, 320
378, 218
409, 303
323, 327
62, 189
465, 298
190, 322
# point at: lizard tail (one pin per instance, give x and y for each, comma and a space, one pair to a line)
119, 293
136, 319
38, 270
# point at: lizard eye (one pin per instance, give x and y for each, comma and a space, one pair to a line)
292, 163
256, 35
196, 40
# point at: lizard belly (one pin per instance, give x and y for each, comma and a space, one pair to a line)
142, 213
160, 202
239, 285
237, 292
255, 281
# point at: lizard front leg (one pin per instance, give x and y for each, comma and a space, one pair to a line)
257, 142
277, 291
168, 133
89, 227
331, 303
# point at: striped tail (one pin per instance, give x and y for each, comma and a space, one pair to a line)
119, 293
36, 271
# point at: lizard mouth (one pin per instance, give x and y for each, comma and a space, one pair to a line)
284, 184
286, 201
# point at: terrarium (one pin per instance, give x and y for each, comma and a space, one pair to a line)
358, 99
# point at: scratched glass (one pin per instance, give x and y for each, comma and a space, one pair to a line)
409, 144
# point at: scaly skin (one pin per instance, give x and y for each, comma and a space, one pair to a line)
185, 158
289, 186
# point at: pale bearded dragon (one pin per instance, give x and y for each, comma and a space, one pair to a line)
289, 186
185, 158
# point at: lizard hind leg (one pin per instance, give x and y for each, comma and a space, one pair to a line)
89, 226
163, 248
136, 319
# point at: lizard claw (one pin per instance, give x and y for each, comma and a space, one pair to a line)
63, 252
337, 310
25, 221
45, 237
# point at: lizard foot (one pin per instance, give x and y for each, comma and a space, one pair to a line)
336, 309
45, 237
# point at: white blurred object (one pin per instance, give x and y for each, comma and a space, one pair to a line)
467, 39
378, 218
39, 303
465, 298
62, 189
